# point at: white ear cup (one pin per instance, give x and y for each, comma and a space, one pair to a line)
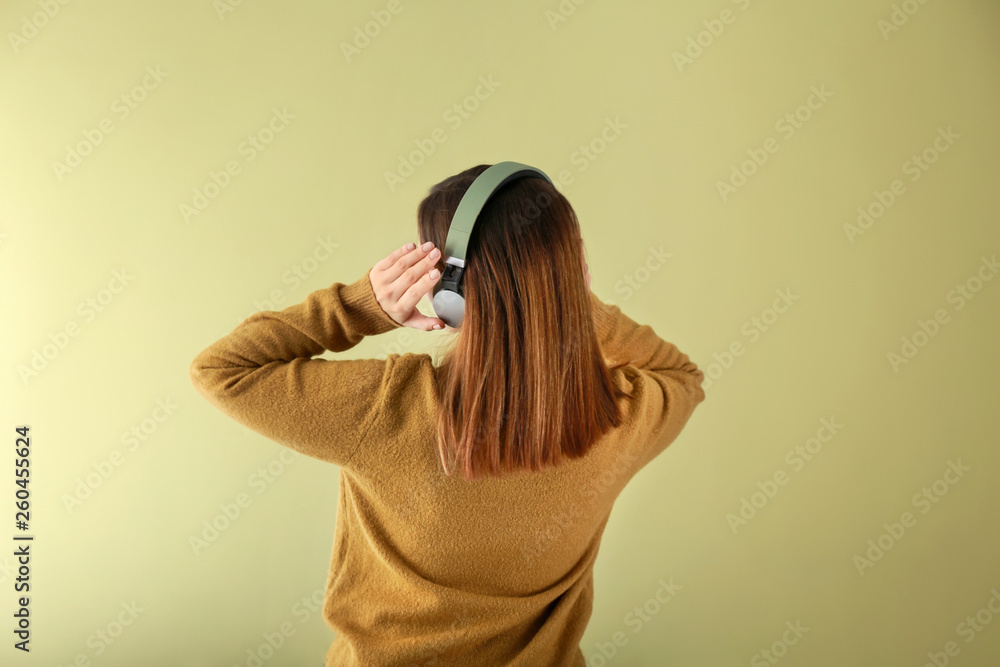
450, 307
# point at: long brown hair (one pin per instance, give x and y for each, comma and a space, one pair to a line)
524, 384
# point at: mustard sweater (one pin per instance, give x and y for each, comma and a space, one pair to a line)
428, 569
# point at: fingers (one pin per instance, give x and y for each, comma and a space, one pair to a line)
418, 280
388, 261
408, 274
406, 258
392, 267
416, 264
419, 321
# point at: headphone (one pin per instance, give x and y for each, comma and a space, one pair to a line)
449, 298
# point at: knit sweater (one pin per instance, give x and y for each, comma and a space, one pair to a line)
428, 569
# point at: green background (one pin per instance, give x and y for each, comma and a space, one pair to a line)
562, 75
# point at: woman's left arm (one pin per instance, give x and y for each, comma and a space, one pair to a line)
262, 374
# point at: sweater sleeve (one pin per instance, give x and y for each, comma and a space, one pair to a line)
262, 374
671, 383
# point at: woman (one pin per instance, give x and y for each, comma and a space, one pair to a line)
474, 492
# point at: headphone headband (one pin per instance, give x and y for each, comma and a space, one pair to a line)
448, 301
475, 198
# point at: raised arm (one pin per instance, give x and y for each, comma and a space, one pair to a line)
262, 373
669, 382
